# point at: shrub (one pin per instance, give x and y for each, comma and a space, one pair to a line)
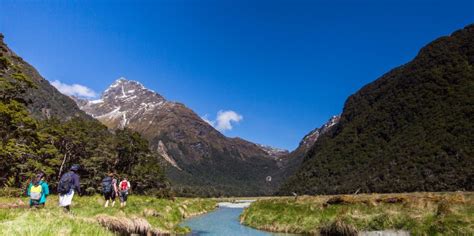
11, 192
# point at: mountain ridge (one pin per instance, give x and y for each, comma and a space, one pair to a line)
186, 142
44, 101
409, 130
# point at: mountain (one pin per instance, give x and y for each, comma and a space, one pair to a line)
290, 162
43, 130
273, 151
199, 156
44, 100
410, 130
308, 140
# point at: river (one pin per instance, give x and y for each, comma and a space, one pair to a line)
224, 221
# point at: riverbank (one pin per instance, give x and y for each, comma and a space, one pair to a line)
89, 217
418, 213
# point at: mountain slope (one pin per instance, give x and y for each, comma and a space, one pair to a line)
292, 161
410, 130
45, 100
62, 135
200, 155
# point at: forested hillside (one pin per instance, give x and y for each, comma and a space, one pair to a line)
43, 130
410, 130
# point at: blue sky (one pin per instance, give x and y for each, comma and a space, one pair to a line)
284, 66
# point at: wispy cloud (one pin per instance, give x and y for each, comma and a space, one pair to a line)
224, 120
74, 89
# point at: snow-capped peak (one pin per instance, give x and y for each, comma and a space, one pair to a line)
311, 138
125, 86
122, 102
272, 151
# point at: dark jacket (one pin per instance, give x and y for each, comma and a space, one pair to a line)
76, 185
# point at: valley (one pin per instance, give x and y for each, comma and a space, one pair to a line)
397, 158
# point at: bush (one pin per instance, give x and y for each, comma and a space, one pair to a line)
11, 192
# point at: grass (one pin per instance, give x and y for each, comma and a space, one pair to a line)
418, 213
89, 217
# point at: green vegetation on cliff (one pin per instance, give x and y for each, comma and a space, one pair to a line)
410, 130
51, 145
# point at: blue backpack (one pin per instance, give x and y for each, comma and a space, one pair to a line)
65, 183
107, 184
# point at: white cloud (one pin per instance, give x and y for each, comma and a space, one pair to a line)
74, 89
224, 120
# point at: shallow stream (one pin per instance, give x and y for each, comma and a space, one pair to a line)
224, 221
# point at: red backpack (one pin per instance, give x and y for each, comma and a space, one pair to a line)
124, 186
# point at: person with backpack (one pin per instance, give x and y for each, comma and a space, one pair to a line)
68, 185
38, 190
109, 189
124, 188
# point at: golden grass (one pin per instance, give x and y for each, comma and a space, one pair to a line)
127, 226
420, 213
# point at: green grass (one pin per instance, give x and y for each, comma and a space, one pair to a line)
163, 215
418, 213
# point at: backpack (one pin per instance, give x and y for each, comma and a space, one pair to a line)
123, 186
36, 192
65, 183
107, 184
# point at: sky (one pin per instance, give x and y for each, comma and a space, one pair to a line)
266, 71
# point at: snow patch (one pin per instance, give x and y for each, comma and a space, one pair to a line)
123, 92
113, 114
124, 120
96, 101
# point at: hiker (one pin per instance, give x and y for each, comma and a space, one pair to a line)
109, 189
38, 190
124, 188
68, 184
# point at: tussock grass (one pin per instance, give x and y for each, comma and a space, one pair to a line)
143, 215
126, 226
338, 228
419, 213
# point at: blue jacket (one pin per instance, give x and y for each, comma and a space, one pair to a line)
44, 193
75, 185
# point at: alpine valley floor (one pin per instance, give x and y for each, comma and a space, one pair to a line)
143, 215
450, 213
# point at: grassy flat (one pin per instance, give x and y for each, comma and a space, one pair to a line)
418, 213
89, 217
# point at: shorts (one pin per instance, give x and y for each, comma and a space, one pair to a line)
123, 196
110, 196
66, 199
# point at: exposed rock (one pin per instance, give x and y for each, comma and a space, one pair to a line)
201, 154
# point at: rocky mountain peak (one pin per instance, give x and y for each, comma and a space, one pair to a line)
313, 136
122, 101
123, 90
197, 154
273, 151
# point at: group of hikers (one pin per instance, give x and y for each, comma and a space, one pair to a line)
38, 189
